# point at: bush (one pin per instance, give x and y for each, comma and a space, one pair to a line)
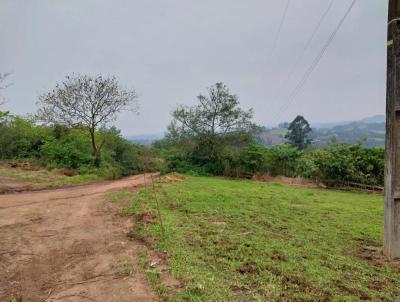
344, 163
284, 160
20, 138
339, 163
69, 151
62, 147
255, 159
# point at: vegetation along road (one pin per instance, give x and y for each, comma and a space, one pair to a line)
67, 244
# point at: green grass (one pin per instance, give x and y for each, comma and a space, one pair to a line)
118, 195
124, 267
43, 179
232, 240
152, 274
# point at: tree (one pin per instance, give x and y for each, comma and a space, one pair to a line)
216, 118
215, 115
92, 102
3, 77
3, 114
298, 133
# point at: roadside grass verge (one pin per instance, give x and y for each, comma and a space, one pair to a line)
238, 240
42, 179
119, 195
153, 275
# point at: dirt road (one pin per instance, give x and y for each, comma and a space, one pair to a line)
69, 245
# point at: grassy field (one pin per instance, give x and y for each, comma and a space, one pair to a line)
232, 240
15, 179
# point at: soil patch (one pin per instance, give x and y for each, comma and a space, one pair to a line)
67, 245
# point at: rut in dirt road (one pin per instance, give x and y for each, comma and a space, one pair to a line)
68, 245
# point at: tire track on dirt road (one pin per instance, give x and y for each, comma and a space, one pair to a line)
67, 245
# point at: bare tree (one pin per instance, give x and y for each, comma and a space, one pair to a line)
92, 102
3, 85
3, 114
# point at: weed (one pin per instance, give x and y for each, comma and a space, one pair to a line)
152, 274
43, 179
124, 267
143, 258
119, 195
16, 299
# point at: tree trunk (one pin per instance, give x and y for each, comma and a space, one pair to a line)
95, 150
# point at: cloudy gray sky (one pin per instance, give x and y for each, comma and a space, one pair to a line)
171, 50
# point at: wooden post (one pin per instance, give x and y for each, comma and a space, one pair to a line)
392, 153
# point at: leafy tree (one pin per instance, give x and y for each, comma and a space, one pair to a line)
215, 122
298, 133
92, 102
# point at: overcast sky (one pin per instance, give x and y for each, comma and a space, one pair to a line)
169, 51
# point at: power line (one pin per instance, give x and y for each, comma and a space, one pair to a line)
278, 33
309, 41
316, 61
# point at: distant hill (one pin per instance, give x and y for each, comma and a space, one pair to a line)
372, 119
145, 139
375, 119
369, 131
370, 134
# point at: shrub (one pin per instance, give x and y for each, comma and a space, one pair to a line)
69, 151
62, 147
340, 163
21, 138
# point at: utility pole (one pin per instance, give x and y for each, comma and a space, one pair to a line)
392, 154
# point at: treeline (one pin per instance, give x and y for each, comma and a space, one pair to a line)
217, 137
338, 164
58, 146
71, 130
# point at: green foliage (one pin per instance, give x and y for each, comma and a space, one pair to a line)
64, 147
284, 160
337, 163
20, 138
93, 102
122, 154
43, 179
246, 241
206, 137
255, 159
4, 115
344, 163
298, 133
70, 150
369, 133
